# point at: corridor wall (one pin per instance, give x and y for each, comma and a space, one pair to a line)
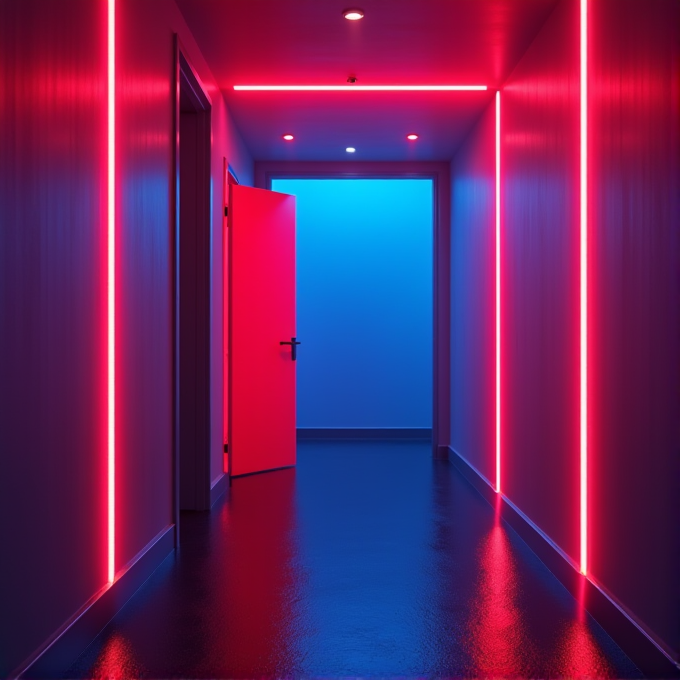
473, 190
540, 280
635, 309
53, 373
53, 318
145, 143
634, 299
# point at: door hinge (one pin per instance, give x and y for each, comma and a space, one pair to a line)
226, 211
226, 448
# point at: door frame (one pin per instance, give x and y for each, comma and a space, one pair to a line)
228, 178
187, 79
439, 173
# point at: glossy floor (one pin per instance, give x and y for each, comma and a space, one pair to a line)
368, 559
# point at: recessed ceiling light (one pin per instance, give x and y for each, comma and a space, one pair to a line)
353, 14
288, 138
412, 137
350, 149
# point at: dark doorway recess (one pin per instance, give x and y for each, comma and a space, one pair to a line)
192, 291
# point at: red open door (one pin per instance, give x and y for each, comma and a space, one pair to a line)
261, 318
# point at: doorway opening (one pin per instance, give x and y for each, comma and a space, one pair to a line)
364, 306
192, 293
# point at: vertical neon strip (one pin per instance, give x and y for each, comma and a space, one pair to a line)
498, 292
111, 349
584, 287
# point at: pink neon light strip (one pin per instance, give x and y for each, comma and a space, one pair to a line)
498, 292
584, 288
111, 349
359, 88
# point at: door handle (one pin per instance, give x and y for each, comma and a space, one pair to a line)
293, 347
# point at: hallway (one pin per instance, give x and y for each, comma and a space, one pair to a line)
153, 294
368, 559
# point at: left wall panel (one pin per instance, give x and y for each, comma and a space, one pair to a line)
53, 298
52, 317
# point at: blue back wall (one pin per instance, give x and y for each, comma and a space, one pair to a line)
364, 302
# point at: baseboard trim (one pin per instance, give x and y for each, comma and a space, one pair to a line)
410, 433
262, 472
58, 652
219, 488
644, 649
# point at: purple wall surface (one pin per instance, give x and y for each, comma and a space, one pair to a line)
53, 201
473, 298
635, 308
53, 312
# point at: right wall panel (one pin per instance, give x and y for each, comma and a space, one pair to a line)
634, 298
635, 308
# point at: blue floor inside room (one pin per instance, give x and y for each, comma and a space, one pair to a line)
368, 559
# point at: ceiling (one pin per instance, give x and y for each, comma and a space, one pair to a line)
399, 42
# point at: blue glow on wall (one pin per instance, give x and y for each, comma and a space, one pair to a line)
364, 302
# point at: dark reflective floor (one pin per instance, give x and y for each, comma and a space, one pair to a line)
368, 559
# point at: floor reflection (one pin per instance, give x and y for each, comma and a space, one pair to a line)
369, 559
261, 580
499, 643
116, 661
579, 653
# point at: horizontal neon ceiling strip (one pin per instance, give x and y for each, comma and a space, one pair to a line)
359, 88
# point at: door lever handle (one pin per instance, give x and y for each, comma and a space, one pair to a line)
293, 347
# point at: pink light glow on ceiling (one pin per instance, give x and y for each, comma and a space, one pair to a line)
307, 45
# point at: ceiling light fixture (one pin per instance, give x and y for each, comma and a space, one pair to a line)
288, 138
353, 14
412, 137
359, 88
350, 149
